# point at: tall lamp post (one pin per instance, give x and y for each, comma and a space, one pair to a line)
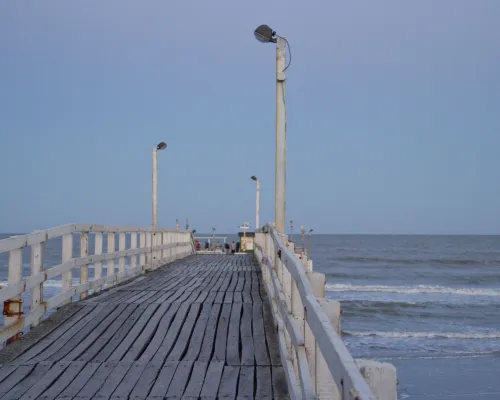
265, 34
309, 243
257, 201
160, 146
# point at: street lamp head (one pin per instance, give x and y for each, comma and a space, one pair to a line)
253, 178
264, 34
194, 231
310, 231
161, 146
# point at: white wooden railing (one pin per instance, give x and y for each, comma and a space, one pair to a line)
149, 249
316, 362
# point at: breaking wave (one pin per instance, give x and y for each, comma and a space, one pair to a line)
426, 335
412, 289
433, 261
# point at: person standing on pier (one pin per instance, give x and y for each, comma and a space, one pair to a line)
233, 247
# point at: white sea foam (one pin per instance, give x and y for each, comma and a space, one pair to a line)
413, 289
426, 335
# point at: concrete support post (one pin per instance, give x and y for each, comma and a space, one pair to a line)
155, 188
36, 293
121, 247
381, 377
133, 258
15, 305
111, 263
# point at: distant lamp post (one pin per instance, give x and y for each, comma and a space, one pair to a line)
309, 243
160, 146
265, 34
257, 201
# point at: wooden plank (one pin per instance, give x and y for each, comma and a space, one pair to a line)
259, 336
232, 284
228, 297
113, 380
64, 380
221, 337
71, 337
271, 336
233, 337
210, 333
229, 382
91, 334
180, 379
219, 298
6, 370
129, 381
163, 331
97, 380
98, 339
264, 383
237, 297
22, 387
245, 383
247, 287
212, 379
247, 350
143, 340
14, 378
146, 382
280, 388
195, 383
119, 336
80, 381
162, 383
185, 334
210, 298
132, 335
46, 380
240, 283
247, 297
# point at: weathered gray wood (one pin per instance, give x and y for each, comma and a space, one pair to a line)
180, 379
97, 380
185, 334
210, 334
219, 298
259, 336
280, 389
14, 378
146, 381
63, 381
264, 383
221, 338
160, 387
246, 383
37, 373
233, 336
229, 382
143, 340
212, 379
113, 380
247, 350
64, 347
80, 381
46, 380
240, 283
131, 334
98, 339
195, 383
6, 370
129, 381
271, 336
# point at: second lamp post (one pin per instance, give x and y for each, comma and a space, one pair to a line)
257, 201
160, 146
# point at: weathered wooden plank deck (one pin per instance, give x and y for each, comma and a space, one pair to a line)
199, 328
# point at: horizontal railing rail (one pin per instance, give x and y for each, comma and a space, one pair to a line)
148, 249
302, 320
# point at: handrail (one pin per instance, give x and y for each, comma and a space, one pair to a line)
149, 249
296, 307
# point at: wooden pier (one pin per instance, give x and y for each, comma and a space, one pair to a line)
149, 318
198, 328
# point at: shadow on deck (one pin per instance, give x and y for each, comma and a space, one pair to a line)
200, 327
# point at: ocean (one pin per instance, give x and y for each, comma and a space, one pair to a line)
430, 305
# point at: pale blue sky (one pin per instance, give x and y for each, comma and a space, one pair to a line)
393, 113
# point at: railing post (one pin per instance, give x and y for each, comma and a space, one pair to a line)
133, 257
36, 293
98, 264
121, 259
111, 262
67, 254
84, 269
154, 241
14, 306
142, 256
149, 255
164, 252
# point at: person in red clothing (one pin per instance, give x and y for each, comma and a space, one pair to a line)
198, 245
